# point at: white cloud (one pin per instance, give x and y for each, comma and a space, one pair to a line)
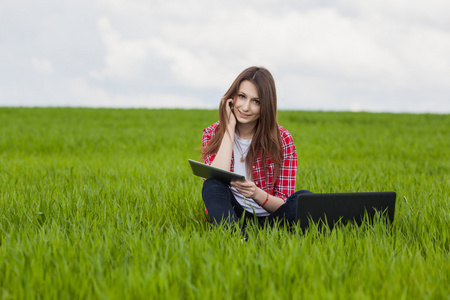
123, 57
342, 55
426, 53
126, 58
42, 65
90, 96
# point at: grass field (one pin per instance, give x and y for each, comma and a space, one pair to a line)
101, 204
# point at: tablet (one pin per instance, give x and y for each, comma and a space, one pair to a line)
207, 171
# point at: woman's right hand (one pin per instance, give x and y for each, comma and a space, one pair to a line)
225, 152
230, 114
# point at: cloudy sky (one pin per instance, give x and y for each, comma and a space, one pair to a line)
374, 55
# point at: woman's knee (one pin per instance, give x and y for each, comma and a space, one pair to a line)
213, 183
295, 195
304, 192
214, 189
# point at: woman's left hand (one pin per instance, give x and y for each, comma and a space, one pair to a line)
247, 188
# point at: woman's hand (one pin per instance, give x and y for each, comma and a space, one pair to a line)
247, 188
230, 114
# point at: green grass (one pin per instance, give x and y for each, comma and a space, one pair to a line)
101, 204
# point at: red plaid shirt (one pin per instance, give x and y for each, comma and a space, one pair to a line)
284, 183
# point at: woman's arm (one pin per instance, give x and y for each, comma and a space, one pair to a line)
223, 156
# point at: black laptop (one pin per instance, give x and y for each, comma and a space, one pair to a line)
331, 208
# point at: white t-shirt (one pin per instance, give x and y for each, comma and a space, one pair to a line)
240, 168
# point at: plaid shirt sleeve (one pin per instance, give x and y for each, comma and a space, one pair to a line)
208, 133
285, 183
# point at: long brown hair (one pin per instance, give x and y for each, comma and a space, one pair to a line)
266, 139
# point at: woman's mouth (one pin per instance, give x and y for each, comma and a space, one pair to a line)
243, 115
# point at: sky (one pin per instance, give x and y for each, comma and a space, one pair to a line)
342, 55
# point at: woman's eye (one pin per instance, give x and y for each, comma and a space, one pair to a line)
256, 101
241, 96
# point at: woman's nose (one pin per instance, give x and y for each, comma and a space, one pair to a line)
246, 105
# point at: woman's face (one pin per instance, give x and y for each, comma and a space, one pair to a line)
246, 105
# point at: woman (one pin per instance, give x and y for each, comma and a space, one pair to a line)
248, 140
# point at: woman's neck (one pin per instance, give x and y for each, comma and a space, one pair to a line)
245, 131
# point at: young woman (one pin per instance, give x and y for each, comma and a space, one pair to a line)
248, 140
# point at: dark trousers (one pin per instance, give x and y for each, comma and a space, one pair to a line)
223, 207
